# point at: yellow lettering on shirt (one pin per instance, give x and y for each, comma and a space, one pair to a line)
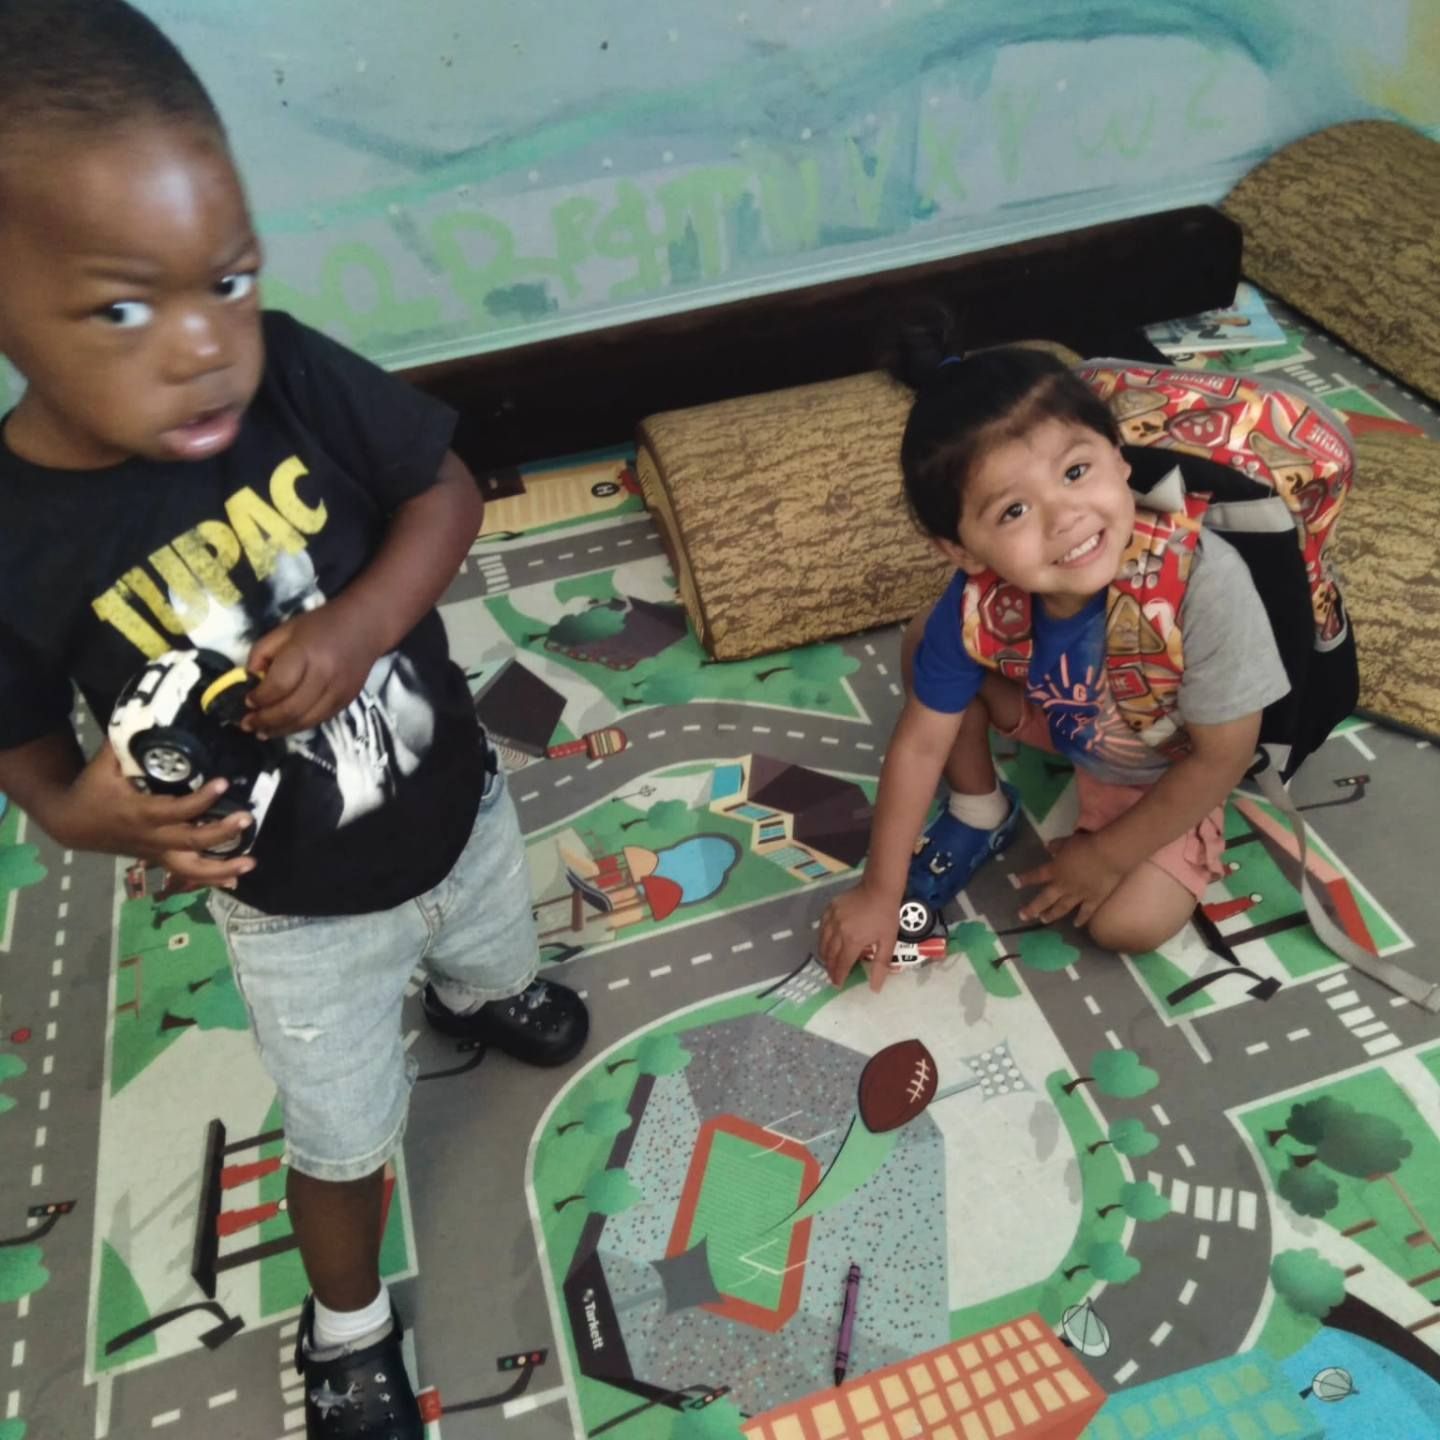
211, 550
114, 609
307, 518
263, 532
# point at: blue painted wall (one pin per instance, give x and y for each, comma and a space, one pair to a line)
448, 177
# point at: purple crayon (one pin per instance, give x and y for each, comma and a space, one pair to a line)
847, 1324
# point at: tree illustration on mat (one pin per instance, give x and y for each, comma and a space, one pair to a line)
602, 1119
1350, 1142
1140, 1201
11, 1067
1130, 1137
1107, 1261
1045, 950
655, 1055
1117, 1073
607, 1192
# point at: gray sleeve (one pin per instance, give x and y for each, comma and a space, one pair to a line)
1232, 667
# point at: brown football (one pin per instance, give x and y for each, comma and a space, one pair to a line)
896, 1084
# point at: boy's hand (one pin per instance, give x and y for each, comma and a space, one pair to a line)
311, 666
857, 922
104, 811
1079, 876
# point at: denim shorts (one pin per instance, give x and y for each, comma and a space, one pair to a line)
324, 992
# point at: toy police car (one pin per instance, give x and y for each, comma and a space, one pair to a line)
174, 727
918, 943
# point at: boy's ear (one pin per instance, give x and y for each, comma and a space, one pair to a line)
958, 555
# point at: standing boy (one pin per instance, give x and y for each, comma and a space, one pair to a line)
185, 470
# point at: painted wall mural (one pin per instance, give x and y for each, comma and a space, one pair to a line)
443, 179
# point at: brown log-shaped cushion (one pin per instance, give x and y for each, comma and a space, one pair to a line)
1387, 545
1342, 225
784, 517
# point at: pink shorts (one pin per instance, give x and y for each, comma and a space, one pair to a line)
1195, 859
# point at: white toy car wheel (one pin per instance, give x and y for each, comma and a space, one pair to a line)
917, 920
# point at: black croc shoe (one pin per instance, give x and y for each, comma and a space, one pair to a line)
358, 1394
545, 1024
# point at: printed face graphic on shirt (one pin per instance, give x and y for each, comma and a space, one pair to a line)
201, 589
1051, 512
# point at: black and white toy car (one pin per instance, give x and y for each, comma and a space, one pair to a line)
922, 938
174, 727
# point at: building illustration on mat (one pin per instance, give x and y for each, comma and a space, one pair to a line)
1016, 1381
1241, 1395
808, 823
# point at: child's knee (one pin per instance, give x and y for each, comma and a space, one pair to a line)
1134, 933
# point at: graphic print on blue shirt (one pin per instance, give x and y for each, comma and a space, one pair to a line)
1069, 681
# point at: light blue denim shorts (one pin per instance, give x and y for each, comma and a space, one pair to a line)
324, 992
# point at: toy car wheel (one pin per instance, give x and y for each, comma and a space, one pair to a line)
167, 756
917, 920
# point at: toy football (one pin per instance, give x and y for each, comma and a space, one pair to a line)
174, 727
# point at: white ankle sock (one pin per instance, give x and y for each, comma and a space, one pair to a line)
984, 812
349, 1327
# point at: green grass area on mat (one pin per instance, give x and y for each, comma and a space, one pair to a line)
19, 867
1101, 1177
686, 671
119, 1306
169, 957
1362, 1201
608, 827
745, 1191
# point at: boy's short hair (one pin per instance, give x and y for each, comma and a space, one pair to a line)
90, 65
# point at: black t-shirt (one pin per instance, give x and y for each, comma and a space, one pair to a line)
102, 570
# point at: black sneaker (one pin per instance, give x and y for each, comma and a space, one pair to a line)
360, 1394
545, 1024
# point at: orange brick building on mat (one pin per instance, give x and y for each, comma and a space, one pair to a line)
1016, 1382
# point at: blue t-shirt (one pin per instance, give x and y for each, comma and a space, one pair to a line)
1232, 666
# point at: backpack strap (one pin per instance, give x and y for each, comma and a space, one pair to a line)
1424, 993
1144, 647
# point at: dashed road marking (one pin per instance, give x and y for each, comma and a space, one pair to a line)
701, 959
1092, 1004
166, 1417
54, 999
1383, 1045
1301, 1034
52, 1029
530, 795
1125, 1372
1249, 1211
689, 728
1351, 1018
655, 735
761, 729
59, 939
1204, 1202
1334, 982
1258, 1048
1202, 1249
1158, 1111
619, 984
563, 780
828, 740
1345, 1001
1114, 1039
224, 1398
794, 734
57, 966
781, 934
17, 1354
741, 946
1188, 1293
1162, 1334
658, 971
1227, 1205
1183, 1151
863, 745
1376, 1027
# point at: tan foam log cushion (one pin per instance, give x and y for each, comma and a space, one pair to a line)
783, 514
1387, 545
1343, 226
